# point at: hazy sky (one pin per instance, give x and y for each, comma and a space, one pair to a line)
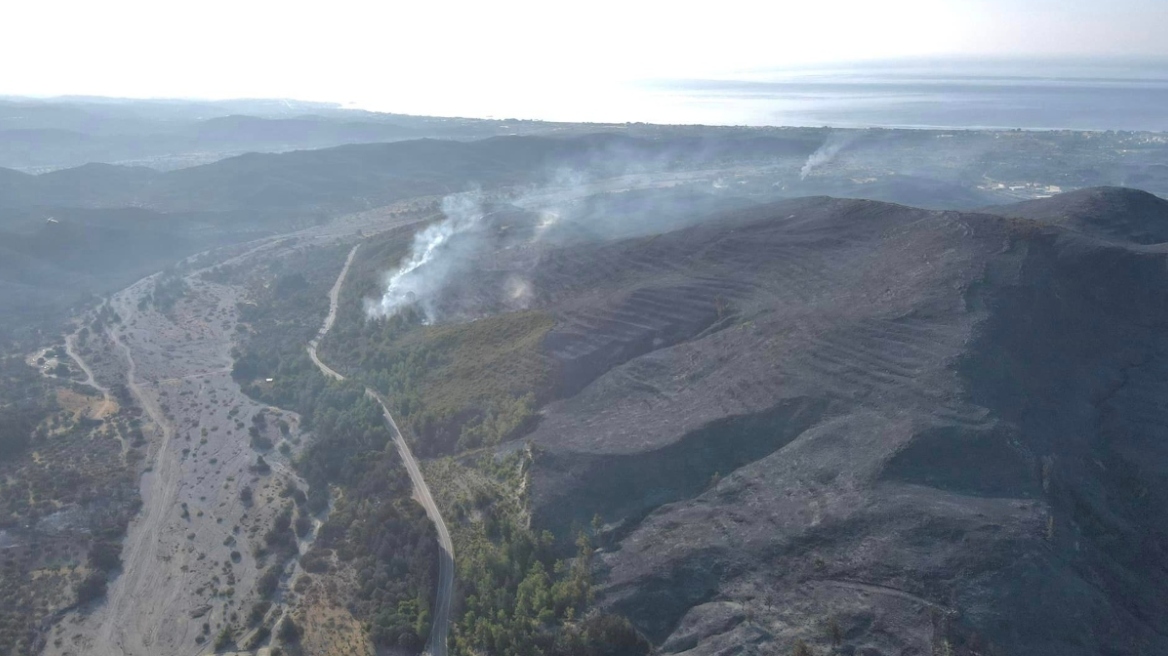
439, 56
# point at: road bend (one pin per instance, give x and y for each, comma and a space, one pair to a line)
440, 629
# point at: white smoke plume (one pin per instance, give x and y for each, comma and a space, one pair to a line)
432, 260
518, 292
571, 205
831, 147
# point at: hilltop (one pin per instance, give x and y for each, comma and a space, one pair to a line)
1109, 212
845, 422
145, 219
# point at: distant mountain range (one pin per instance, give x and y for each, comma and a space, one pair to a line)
42, 135
94, 227
163, 214
368, 175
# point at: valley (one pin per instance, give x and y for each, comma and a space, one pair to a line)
201, 543
677, 390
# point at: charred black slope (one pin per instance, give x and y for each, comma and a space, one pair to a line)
859, 423
1109, 212
95, 227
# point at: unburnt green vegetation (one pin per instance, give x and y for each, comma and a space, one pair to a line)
374, 528
452, 387
25, 404
518, 591
168, 290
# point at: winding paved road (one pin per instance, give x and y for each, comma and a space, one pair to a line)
440, 629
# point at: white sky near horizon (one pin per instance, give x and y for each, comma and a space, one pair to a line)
518, 56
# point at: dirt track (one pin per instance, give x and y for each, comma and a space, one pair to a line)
189, 553
145, 547
90, 379
334, 297
184, 552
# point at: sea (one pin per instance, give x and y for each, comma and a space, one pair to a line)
1122, 95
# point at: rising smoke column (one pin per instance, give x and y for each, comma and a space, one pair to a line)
427, 278
435, 255
831, 147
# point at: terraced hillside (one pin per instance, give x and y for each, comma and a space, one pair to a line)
860, 426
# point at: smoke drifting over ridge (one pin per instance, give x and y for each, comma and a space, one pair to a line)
831, 147
484, 256
434, 257
479, 258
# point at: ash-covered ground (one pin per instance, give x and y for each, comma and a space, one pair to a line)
872, 428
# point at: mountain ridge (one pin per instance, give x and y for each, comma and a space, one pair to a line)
893, 424
1109, 212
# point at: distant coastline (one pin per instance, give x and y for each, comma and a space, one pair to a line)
1050, 95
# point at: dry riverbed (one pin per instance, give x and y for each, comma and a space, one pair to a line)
190, 555
194, 554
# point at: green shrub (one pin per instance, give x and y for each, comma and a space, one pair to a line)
92, 587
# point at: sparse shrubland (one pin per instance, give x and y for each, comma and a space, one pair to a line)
66, 496
168, 290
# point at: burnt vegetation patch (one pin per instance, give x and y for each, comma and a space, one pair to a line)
624, 488
892, 419
966, 461
67, 494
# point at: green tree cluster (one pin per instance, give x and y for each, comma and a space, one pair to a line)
374, 527
514, 602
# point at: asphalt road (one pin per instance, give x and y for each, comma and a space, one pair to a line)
440, 629
441, 626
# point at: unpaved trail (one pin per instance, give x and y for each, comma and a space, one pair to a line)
334, 301
868, 588
185, 569
188, 558
158, 496
440, 630
90, 380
